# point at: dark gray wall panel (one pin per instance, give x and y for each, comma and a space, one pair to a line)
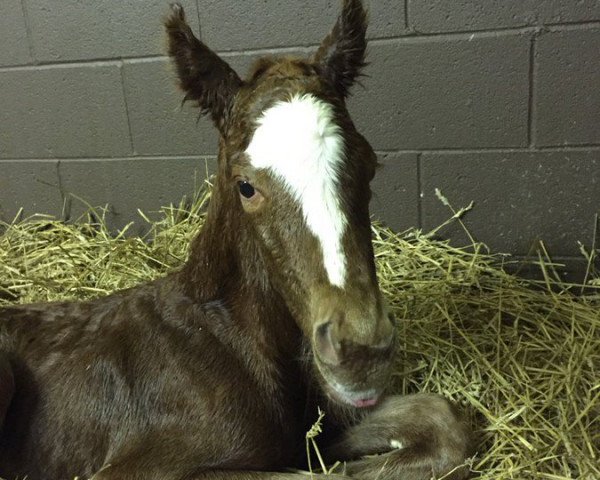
68, 111
569, 269
29, 184
234, 25
459, 93
77, 30
160, 125
395, 188
448, 16
519, 197
127, 185
14, 47
567, 90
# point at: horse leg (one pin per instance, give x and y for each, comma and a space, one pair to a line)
106, 474
414, 437
172, 455
251, 475
7, 386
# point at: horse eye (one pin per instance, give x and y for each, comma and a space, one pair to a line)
246, 190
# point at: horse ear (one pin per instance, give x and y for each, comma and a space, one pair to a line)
203, 75
341, 55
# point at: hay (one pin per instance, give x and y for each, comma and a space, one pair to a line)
522, 356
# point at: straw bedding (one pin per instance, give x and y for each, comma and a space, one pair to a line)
523, 357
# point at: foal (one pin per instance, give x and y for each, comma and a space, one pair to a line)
216, 371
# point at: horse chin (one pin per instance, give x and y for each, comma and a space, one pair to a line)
347, 393
356, 399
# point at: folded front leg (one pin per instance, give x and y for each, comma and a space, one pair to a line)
223, 475
171, 455
248, 475
414, 437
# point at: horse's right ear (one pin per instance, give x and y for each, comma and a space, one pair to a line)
203, 75
341, 55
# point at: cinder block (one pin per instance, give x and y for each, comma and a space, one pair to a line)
31, 185
443, 16
14, 48
76, 30
520, 198
387, 18
160, 125
567, 93
445, 93
126, 185
233, 25
63, 112
395, 191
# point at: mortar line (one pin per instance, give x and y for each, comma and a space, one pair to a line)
406, 21
59, 180
66, 204
126, 104
419, 192
28, 31
519, 29
531, 108
467, 35
570, 26
48, 66
466, 151
566, 148
441, 151
210, 156
199, 157
199, 21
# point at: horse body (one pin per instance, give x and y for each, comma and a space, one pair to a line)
215, 371
149, 375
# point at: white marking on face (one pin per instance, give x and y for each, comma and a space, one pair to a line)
300, 144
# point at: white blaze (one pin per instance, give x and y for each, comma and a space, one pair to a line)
300, 144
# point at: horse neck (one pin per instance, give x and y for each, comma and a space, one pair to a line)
226, 265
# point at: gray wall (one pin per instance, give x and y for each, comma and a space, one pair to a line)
496, 101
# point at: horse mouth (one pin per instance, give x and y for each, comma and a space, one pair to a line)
342, 389
357, 399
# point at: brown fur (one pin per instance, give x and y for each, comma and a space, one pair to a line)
215, 371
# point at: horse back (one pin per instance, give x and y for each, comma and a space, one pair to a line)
92, 379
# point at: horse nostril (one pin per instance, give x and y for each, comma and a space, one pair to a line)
388, 335
387, 343
327, 348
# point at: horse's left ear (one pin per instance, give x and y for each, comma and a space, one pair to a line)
341, 55
203, 75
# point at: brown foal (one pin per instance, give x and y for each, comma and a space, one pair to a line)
216, 370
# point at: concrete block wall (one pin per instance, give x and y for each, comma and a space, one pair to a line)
495, 102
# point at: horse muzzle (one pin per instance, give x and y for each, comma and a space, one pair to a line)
353, 374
